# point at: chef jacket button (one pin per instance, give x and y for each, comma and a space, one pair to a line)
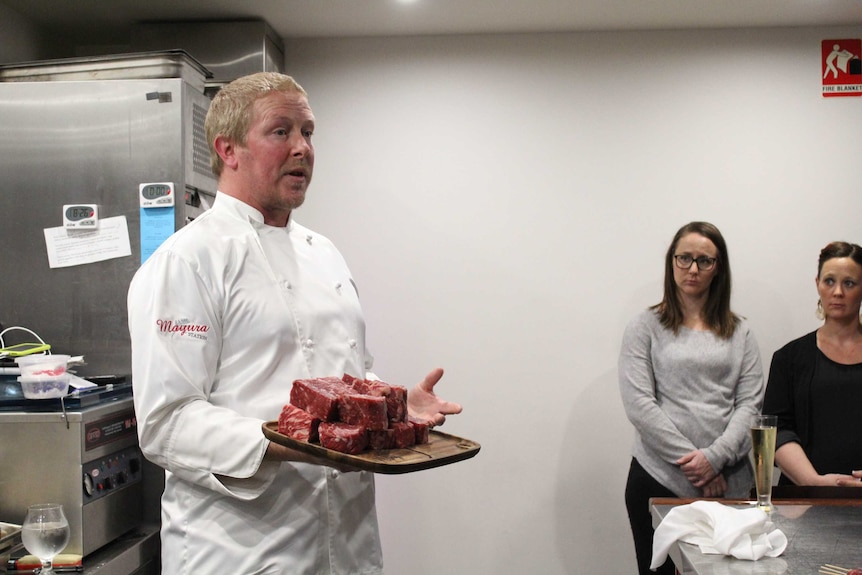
308, 239
352, 343
338, 287
309, 343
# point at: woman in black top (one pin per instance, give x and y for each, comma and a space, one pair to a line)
815, 382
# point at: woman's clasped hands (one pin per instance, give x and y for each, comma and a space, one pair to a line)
700, 473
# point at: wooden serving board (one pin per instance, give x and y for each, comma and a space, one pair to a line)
441, 449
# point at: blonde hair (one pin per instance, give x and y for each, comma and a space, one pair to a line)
230, 112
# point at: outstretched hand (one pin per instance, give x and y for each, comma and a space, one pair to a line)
423, 404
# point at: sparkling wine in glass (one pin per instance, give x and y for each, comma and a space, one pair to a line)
45, 533
763, 433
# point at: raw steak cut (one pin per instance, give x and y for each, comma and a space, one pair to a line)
315, 396
421, 429
396, 403
366, 410
298, 423
343, 437
396, 395
350, 415
381, 438
405, 436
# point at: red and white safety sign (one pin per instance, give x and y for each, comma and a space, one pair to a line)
841, 64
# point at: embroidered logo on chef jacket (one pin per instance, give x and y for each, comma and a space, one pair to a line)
183, 328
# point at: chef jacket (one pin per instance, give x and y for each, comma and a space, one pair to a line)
224, 316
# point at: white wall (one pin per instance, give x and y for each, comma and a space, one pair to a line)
505, 203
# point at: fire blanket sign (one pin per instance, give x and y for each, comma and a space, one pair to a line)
841, 64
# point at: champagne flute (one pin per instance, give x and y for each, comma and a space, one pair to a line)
45, 533
763, 432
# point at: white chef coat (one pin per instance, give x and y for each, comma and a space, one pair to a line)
224, 316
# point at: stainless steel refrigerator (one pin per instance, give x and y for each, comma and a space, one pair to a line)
89, 132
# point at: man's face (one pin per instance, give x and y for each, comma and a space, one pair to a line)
277, 160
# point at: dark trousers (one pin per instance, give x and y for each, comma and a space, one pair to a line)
640, 487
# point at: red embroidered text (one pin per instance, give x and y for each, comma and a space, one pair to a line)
166, 325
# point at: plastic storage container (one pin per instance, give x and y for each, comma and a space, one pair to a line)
43, 376
43, 366
45, 387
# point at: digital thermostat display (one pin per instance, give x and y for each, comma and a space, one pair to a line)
157, 195
80, 216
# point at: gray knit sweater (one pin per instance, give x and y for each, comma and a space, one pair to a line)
691, 391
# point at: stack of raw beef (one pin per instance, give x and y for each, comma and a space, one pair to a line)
350, 415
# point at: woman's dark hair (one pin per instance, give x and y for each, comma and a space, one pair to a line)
839, 250
717, 312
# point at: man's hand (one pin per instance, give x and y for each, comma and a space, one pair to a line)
424, 405
277, 452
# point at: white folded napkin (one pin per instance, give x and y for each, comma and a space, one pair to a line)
718, 529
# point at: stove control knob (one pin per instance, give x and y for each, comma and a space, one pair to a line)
109, 482
89, 486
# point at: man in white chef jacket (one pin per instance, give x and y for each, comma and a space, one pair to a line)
224, 316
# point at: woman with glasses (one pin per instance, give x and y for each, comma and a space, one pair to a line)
815, 382
691, 382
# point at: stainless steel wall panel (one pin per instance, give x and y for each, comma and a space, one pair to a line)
227, 48
85, 142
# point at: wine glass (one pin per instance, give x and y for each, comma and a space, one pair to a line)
45, 533
763, 433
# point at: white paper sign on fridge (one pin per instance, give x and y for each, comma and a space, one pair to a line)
77, 247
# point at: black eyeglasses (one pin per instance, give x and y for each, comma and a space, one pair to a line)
704, 263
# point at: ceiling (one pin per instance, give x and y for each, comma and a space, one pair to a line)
326, 18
